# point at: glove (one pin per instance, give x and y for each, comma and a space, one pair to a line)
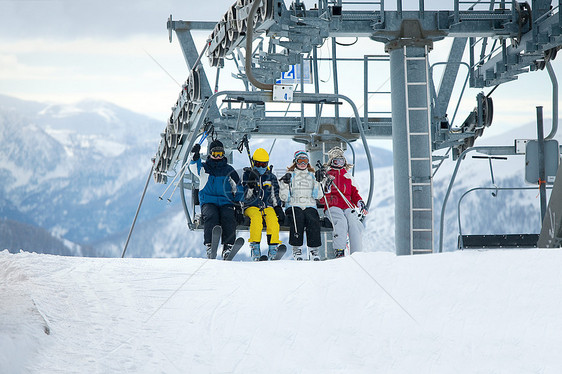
286, 178
328, 185
280, 214
320, 174
195, 150
252, 179
362, 207
238, 213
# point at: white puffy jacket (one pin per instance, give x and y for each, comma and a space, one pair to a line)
303, 190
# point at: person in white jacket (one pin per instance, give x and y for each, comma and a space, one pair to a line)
300, 190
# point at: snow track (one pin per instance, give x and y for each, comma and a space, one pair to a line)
463, 312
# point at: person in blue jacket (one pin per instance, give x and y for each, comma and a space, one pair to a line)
219, 191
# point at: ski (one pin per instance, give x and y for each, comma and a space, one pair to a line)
217, 233
238, 243
281, 249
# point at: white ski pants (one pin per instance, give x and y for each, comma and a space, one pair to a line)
346, 223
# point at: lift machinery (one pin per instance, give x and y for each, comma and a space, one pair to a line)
265, 39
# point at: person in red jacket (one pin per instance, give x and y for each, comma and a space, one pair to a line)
343, 202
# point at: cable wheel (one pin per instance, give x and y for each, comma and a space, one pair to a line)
169, 142
186, 89
193, 87
262, 11
182, 119
232, 25
159, 164
232, 16
178, 124
241, 23
269, 9
488, 112
165, 151
226, 42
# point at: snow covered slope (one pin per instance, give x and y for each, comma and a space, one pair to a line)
462, 312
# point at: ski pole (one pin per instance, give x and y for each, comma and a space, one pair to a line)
329, 212
293, 209
321, 167
343, 196
244, 143
353, 209
177, 185
173, 180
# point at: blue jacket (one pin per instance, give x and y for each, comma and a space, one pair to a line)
265, 192
219, 183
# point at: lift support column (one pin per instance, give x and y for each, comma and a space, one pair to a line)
411, 139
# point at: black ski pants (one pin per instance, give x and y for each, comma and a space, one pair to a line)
224, 216
307, 219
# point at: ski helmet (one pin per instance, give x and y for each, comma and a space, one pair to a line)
260, 155
300, 154
216, 150
335, 152
337, 158
216, 144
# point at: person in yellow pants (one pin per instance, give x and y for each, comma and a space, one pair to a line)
262, 202
256, 224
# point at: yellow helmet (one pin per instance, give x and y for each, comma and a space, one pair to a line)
260, 155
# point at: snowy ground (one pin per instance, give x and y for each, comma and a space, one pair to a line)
461, 312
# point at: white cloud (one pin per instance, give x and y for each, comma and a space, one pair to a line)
114, 70
11, 67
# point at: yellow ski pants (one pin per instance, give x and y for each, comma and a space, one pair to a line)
256, 224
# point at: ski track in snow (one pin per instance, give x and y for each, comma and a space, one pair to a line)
462, 312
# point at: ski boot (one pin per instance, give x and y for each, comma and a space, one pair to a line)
255, 251
272, 252
208, 249
226, 251
340, 253
314, 256
297, 254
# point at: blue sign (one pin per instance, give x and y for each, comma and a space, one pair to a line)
293, 76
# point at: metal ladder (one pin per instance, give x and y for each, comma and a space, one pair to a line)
418, 122
367, 94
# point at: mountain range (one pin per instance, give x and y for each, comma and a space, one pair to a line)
74, 170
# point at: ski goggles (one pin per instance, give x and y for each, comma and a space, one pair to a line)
260, 164
338, 162
302, 161
217, 152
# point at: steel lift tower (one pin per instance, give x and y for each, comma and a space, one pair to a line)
503, 39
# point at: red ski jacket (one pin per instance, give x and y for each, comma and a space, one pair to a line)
344, 181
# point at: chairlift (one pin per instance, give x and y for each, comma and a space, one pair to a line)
277, 128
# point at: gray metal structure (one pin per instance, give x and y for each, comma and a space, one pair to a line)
265, 38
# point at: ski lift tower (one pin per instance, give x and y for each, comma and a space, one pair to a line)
504, 39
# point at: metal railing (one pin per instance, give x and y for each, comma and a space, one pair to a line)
494, 188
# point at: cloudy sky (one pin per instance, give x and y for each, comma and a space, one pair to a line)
69, 50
